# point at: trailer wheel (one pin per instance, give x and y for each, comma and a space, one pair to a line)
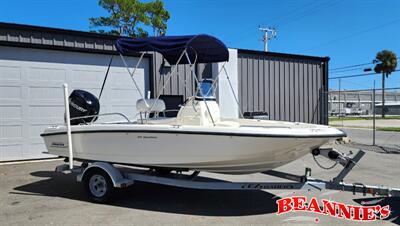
98, 185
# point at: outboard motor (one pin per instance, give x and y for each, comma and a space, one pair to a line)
83, 103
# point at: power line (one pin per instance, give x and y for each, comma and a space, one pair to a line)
358, 75
345, 70
355, 34
310, 9
316, 9
350, 66
277, 18
355, 65
358, 90
351, 76
295, 12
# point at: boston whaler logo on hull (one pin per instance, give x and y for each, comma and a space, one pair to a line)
331, 208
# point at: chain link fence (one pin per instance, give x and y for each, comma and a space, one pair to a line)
359, 113
361, 103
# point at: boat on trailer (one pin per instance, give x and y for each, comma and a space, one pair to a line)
198, 138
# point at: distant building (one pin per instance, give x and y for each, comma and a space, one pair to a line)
391, 108
353, 102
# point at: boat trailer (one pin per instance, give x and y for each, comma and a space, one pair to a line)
101, 179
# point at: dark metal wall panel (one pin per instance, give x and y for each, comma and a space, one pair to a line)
250, 78
244, 96
176, 84
289, 88
181, 82
261, 91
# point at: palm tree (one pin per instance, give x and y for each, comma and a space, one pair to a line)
387, 64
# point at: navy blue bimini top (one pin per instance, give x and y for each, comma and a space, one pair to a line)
200, 48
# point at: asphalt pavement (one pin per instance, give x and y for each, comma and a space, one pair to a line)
366, 123
382, 138
33, 194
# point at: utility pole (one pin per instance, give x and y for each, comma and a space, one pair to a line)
269, 33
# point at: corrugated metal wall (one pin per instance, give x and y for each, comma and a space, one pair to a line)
288, 88
176, 85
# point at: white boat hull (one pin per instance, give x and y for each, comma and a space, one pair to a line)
241, 150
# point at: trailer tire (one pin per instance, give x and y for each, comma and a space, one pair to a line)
98, 185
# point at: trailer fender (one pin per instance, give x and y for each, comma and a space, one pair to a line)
117, 178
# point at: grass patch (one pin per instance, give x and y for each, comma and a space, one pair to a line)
390, 129
362, 118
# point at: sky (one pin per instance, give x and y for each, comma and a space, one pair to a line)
350, 32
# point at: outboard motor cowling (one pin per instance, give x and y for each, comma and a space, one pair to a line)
83, 103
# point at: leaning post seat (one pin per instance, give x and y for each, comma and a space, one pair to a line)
153, 106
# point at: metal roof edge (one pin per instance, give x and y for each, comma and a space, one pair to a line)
286, 55
56, 30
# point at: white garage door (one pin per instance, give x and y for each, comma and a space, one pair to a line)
31, 96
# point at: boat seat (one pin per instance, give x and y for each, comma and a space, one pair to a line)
153, 105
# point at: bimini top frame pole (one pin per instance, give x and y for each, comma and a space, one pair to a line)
197, 81
133, 73
230, 85
174, 69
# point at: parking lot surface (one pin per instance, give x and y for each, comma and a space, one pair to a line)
33, 194
366, 123
382, 138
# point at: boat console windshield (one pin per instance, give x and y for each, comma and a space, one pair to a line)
205, 90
